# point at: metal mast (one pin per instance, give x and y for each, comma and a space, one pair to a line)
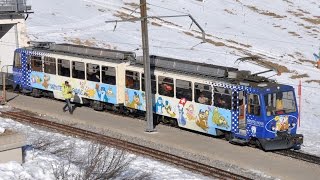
146, 63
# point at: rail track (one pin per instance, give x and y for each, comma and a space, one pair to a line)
300, 156
131, 147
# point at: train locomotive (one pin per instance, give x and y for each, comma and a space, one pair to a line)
215, 100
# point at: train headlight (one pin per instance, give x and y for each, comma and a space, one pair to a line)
273, 128
293, 124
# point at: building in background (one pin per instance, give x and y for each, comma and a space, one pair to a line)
13, 14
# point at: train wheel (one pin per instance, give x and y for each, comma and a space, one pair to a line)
174, 123
36, 93
97, 105
228, 136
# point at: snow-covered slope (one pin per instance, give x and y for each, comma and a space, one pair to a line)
285, 33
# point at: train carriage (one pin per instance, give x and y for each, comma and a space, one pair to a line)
210, 99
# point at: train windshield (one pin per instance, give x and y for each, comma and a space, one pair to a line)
280, 103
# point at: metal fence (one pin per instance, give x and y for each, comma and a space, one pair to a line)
18, 6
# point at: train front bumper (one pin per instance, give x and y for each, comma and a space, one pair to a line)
282, 141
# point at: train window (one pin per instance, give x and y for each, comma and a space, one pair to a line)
64, 67
184, 89
36, 63
109, 75
165, 86
78, 70
133, 80
93, 72
153, 83
202, 93
17, 60
253, 104
280, 103
49, 65
222, 98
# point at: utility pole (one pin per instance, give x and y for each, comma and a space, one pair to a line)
146, 62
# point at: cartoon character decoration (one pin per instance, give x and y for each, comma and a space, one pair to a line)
102, 93
282, 123
253, 131
169, 110
218, 119
126, 98
135, 103
46, 79
202, 121
181, 119
159, 105
36, 79
190, 113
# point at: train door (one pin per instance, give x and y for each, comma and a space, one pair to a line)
242, 111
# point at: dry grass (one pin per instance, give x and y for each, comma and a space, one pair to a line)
279, 68
294, 33
230, 12
297, 14
305, 12
244, 45
289, 2
123, 15
315, 21
299, 76
78, 41
156, 24
188, 33
310, 81
266, 13
215, 43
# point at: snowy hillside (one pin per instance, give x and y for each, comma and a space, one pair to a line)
285, 33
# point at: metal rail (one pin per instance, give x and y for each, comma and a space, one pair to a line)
300, 156
134, 148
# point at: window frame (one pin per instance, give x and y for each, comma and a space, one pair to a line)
134, 75
226, 98
47, 59
104, 76
17, 60
197, 91
89, 68
253, 111
58, 67
33, 67
160, 89
153, 83
74, 68
186, 93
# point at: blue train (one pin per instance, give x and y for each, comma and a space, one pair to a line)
214, 100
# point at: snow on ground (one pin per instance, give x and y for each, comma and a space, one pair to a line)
284, 32
38, 164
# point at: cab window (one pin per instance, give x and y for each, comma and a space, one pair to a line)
17, 60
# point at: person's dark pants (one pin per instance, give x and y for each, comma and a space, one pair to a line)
68, 104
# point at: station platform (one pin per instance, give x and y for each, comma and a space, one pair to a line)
244, 160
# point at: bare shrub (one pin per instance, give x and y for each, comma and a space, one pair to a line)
95, 162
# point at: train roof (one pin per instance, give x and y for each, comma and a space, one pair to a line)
83, 51
221, 73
